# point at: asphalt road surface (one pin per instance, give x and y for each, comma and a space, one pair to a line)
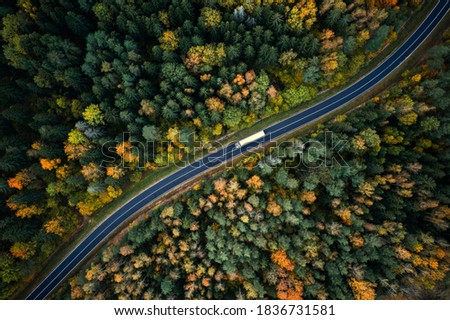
363, 85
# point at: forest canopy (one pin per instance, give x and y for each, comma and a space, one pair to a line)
373, 226
78, 74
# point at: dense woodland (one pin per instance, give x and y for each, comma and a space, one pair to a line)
374, 226
78, 74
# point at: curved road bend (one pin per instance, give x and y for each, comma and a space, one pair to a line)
364, 84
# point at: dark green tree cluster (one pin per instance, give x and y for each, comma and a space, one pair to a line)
361, 214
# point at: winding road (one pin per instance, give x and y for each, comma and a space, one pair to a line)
365, 84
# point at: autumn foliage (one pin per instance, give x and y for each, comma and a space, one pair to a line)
381, 3
281, 258
49, 164
363, 290
289, 288
21, 180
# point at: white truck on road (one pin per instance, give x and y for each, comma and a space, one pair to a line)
249, 139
